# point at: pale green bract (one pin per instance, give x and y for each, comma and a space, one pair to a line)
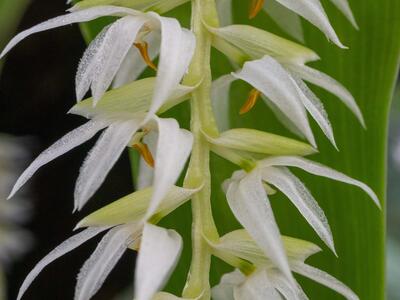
129, 115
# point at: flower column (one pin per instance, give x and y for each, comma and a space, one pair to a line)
202, 120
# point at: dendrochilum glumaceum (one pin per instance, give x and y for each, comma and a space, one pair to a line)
127, 111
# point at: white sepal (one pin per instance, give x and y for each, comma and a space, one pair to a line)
71, 18
324, 279
319, 170
118, 40
256, 287
102, 158
65, 247
69, 141
328, 83
344, 7
176, 51
159, 252
173, 149
299, 195
312, 11
96, 269
220, 100
224, 289
250, 205
270, 78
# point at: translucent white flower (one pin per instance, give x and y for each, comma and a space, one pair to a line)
127, 228
286, 15
265, 281
122, 116
248, 199
105, 55
284, 91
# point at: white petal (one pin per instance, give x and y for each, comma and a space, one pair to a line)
224, 289
173, 148
96, 269
284, 287
250, 205
134, 65
220, 100
256, 287
65, 247
73, 17
325, 279
88, 65
117, 42
319, 170
102, 158
316, 109
224, 8
300, 196
286, 19
159, 252
313, 12
66, 143
343, 6
328, 83
176, 51
269, 77
283, 118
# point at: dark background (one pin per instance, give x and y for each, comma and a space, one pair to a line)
36, 91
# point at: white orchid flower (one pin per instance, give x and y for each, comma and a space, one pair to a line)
122, 115
265, 281
125, 220
286, 14
284, 91
248, 199
105, 55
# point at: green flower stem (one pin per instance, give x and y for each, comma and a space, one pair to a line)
202, 120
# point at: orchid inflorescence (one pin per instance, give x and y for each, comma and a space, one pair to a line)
126, 109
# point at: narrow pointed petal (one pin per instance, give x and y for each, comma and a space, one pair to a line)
316, 109
159, 252
71, 18
117, 42
176, 51
65, 247
224, 8
133, 65
283, 286
96, 269
102, 158
286, 19
173, 149
256, 287
269, 77
250, 205
312, 11
224, 289
88, 64
66, 143
324, 279
344, 7
331, 85
300, 196
319, 170
220, 100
